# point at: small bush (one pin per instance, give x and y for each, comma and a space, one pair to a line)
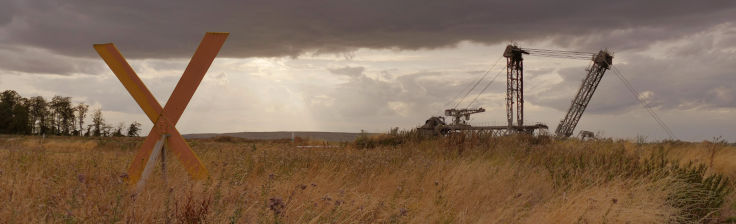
392, 139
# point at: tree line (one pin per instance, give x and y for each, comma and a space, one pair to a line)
37, 116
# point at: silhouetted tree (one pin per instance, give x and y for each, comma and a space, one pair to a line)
98, 123
38, 114
133, 129
88, 132
20, 123
8, 99
13, 113
118, 132
62, 115
106, 131
81, 110
35, 115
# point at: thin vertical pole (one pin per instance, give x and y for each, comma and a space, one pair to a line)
167, 219
163, 163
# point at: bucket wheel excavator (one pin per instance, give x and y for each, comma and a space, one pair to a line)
601, 62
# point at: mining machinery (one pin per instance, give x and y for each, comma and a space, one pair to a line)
601, 62
515, 95
515, 84
586, 135
437, 124
459, 114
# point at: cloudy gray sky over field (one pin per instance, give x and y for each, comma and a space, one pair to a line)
349, 65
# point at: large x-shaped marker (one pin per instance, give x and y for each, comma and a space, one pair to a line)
164, 119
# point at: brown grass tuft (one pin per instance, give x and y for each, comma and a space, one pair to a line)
403, 178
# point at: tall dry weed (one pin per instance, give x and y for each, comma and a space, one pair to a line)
476, 178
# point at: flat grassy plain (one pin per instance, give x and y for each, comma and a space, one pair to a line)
379, 179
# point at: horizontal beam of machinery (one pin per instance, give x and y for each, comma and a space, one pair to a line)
524, 128
601, 62
459, 114
463, 112
436, 127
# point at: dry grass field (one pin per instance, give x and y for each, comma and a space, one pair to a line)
380, 179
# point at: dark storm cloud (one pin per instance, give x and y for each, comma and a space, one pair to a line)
693, 72
161, 29
34, 60
6, 12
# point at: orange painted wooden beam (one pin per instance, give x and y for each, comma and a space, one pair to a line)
165, 118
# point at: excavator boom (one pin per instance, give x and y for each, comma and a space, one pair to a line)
601, 63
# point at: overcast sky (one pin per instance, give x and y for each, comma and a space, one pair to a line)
349, 65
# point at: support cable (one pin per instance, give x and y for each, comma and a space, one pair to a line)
485, 87
560, 53
646, 106
460, 100
535, 52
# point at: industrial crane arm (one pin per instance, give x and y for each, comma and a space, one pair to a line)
601, 63
459, 113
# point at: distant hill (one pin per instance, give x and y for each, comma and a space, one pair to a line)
328, 136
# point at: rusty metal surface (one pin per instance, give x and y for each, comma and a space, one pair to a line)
514, 85
165, 119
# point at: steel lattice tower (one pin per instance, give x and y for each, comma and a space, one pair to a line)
601, 62
514, 84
